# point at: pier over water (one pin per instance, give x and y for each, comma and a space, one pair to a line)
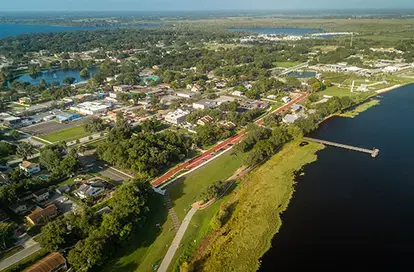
374, 152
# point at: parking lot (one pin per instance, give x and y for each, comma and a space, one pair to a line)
50, 127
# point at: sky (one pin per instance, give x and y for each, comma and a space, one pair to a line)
177, 5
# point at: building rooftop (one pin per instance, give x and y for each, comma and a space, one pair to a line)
27, 164
38, 213
48, 263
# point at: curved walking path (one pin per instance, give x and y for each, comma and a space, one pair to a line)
177, 240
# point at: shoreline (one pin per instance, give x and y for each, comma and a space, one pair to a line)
388, 89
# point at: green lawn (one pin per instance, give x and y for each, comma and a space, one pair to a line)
286, 64
360, 108
69, 134
189, 188
259, 200
150, 245
336, 91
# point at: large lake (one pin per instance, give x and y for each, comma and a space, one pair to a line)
279, 31
9, 30
58, 75
351, 212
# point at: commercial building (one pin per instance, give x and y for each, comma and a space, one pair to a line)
224, 99
187, 94
91, 108
176, 117
205, 104
63, 116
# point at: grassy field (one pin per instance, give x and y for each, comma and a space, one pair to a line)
150, 245
258, 202
360, 108
69, 134
189, 188
286, 64
336, 91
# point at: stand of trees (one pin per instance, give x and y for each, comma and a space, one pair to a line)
93, 238
146, 152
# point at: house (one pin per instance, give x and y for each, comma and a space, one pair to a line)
53, 262
25, 100
295, 108
104, 210
19, 207
40, 216
67, 116
205, 120
227, 124
286, 99
237, 93
41, 195
187, 94
272, 96
63, 189
90, 189
29, 167
10, 120
290, 118
205, 104
177, 117
122, 88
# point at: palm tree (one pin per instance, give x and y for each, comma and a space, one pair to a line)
25, 150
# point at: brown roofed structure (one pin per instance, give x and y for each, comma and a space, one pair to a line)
39, 214
53, 262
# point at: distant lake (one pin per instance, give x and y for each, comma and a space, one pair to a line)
57, 75
10, 30
279, 31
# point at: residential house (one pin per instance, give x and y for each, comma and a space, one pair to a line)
90, 189
227, 124
25, 100
40, 216
286, 99
29, 167
122, 88
237, 93
295, 108
177, 117
41, 195
205, 104
206, 120
19, 207
290, 118
63, 189
53, 262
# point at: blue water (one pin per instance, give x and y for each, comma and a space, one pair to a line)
10, 30
279, 31
58, 75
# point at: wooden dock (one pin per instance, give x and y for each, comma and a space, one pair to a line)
374, 152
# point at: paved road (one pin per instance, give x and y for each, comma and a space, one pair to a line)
19, 256
211, 153
176, 242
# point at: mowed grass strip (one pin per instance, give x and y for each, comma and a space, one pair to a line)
189, 189
69, 134
259, 201
149, 245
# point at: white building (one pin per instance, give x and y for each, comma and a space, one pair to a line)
90, 190
286, 99
176, 117
204, 104
91, 108
187, 94
237, 93
290, 118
